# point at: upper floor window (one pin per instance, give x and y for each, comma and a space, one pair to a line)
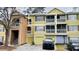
73, 28
1, 29
28, 29
72, 17
50, 17
15, 22
29, 21
39, 18
39, 28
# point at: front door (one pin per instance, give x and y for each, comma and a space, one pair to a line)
14, 37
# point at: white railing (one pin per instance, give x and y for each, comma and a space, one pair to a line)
50, 20
61, 20
61, 30
50, 30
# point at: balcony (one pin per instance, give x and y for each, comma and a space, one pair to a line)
61, 30
49, 20
61, 20
50, 30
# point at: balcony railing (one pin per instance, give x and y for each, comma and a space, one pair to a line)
50, 30
61, 20
61, 30
49, 20
28, 32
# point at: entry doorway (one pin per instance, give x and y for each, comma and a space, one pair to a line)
14, 37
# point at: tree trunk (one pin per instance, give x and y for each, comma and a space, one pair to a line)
7, 38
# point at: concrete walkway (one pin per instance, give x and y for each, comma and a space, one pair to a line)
27, 47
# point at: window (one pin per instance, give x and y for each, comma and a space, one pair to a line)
16, 22
1, 38
73, 28
50, 18
29, 21
28, 29
39, 28
61, 17
74, 39
1, 29
72, 17
39, 18
50, 28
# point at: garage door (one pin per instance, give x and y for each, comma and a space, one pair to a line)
61, 39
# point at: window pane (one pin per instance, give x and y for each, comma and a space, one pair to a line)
39, 28
73, 28
72, 17
1, 39
74, 39
1, 29
50, 17
39, 18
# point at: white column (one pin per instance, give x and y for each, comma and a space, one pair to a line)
45, 24
55, 23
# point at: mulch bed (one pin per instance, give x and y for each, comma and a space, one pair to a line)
6, 48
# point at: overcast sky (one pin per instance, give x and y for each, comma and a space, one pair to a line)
65, 9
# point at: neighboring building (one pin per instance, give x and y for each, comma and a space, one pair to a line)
18, 30
57, 25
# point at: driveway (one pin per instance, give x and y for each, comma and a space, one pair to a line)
27, 47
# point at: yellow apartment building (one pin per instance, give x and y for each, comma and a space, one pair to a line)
56, 25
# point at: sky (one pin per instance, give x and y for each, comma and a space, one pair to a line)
47, 9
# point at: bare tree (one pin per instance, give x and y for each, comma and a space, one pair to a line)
5, 15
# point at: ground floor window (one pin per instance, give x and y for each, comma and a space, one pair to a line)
39, 28
1, 38
74, 39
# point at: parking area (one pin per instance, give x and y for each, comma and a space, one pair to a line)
27, 47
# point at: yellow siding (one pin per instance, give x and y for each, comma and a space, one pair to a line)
70, 22
29, 40
38, 39
39, 22
73, 33
51, 36
3, 34
59, 47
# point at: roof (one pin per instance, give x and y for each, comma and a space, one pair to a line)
56, 9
